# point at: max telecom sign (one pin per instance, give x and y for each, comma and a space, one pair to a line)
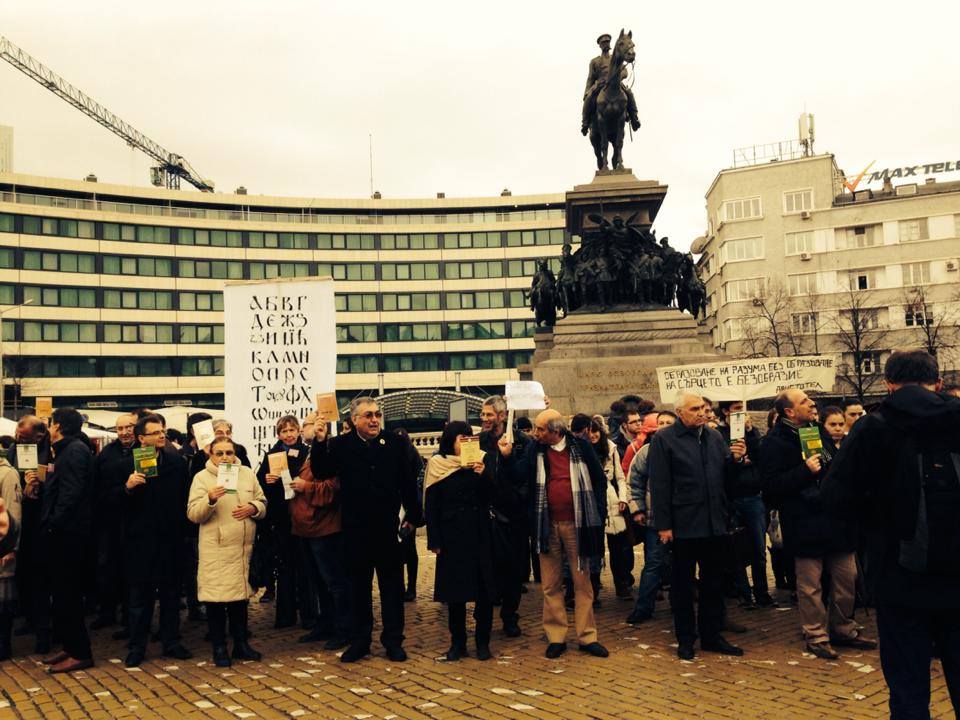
907, 171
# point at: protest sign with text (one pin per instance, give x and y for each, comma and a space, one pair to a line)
280, 352
748, 379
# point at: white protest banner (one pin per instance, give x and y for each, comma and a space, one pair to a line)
525, 395
750, 378
280, 351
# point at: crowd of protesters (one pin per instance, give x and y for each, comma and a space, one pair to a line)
859, 506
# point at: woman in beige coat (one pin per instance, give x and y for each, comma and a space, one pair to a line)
11, 494
226, 542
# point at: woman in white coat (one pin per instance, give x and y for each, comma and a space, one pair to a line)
226, 519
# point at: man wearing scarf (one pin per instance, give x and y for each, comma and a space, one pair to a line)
568, 492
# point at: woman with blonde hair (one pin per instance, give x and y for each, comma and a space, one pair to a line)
225, 513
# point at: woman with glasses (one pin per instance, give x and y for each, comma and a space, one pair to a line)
225, 510
457, 505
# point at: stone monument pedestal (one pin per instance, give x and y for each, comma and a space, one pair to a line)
588, 360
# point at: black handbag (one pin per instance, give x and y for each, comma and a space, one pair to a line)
500, 535
739, 551
261, 559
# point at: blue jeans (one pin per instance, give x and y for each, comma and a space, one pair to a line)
654, 559
753, 515
328, 557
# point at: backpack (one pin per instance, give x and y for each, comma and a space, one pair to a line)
934, 547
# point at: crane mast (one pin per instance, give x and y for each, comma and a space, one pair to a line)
170, 168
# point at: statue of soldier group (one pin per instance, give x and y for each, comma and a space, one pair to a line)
619, 263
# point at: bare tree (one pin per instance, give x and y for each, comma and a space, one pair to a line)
812, 307
861, 335
772, 320
937, 328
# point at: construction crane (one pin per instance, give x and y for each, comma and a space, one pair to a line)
171, 167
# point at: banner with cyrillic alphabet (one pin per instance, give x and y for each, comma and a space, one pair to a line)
280, 350
748, 379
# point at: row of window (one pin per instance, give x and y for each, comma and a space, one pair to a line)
213, 366
290, 215
847, 238
201, 301
407, 332
58, 227
255, 270
25, 366
812, 323
750, 208
911, 274
427, 363
191, 334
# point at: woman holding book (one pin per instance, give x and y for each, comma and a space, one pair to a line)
225, 499
457, 491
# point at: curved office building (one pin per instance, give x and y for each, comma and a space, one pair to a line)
123, 286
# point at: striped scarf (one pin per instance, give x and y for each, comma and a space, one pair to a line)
587, 517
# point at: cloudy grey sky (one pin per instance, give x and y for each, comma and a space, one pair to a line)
469, 98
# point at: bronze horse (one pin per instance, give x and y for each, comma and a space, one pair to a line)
607, 126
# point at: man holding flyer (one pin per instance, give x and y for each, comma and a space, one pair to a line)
743, 491
795, 455
154, 508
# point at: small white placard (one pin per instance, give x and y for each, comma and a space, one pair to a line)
738, 425
287, 484
525, 395
203, 433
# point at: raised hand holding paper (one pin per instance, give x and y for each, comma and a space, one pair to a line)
525, 395
203, 433
810, 442
470, 451
327, 407
27, 457
738, 425
228, 476
145, 461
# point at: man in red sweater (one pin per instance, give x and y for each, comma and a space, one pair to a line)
568, 490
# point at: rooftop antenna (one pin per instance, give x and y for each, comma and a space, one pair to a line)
806, 133
370, 139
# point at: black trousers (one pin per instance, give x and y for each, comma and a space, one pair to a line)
217, 614
109, 575
908, 637
191, 560
457, 622
66, 579
411, 560
296, 580
511, 573
368, 553
621, 559
143, 596
688, 554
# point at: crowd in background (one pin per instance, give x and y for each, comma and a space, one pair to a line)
858, 506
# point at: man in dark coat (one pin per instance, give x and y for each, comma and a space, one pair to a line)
898, 472
111, 469
818, 539
196, 459
688, 465
154, 511
376, 481
509, 500
66, 521
568, 507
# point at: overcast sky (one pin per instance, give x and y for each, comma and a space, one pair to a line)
469, 98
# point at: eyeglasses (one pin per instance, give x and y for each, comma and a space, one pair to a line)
223, 453
152, 434
372, 415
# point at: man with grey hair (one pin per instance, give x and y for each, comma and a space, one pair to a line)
509, 502
376, 481
568, 490
687, 464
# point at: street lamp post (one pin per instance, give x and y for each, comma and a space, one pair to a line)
3, 389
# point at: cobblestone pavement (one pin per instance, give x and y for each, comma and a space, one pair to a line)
642, 678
